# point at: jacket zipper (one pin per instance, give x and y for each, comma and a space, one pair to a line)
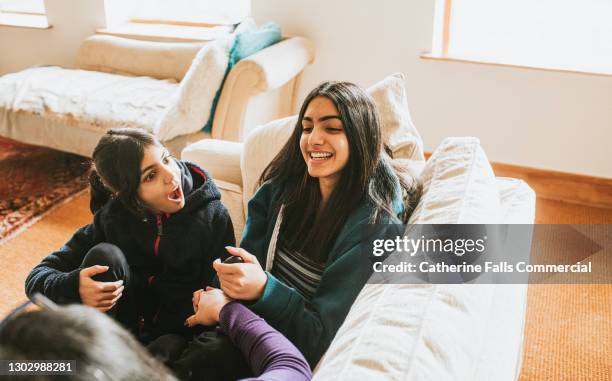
160, 231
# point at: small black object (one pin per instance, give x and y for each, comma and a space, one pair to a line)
233, 259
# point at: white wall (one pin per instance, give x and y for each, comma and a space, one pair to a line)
548, 120
541, 119
72, 21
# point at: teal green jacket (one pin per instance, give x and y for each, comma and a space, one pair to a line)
348, 268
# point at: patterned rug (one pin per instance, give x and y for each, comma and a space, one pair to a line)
34, 180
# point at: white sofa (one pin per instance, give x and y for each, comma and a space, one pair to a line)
158, 86
408, 331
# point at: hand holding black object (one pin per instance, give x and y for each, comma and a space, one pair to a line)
234, 259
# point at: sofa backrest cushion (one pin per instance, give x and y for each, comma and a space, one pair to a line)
458, 186
161, 60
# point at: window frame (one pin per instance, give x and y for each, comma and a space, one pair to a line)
25, 17
442, 39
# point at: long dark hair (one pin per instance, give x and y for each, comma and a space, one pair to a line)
115, 170
370, 175
101, 348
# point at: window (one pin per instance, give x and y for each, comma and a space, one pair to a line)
193, 11
571, 35
27, 13
188, 20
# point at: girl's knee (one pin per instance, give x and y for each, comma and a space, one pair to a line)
103, 254
107, 254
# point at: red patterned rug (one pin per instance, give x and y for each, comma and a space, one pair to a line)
34, 180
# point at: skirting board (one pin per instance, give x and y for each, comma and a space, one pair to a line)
561, 186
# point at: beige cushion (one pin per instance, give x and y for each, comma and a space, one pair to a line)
260, 147
458, 186
264, 142
398, 130
425, 331
221, 158
161, 60
191, 105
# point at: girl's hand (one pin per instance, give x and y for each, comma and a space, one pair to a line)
241, 281
210, 303
100, 295
195, 300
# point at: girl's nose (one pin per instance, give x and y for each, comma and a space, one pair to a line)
316, 137
168, 175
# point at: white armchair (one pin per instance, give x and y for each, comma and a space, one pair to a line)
123, 82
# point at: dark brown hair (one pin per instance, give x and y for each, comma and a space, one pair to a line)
115, 168
102, 349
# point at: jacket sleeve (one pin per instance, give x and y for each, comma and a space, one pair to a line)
311, 327
269, 354
57, 275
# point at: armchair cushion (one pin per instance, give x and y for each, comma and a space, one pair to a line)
84, 99
221, 158
191, 106
398, 130
161, 60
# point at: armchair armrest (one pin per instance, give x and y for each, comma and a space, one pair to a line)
261, 88
220, 158
277, 64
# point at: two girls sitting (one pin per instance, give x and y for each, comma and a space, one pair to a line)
160, 232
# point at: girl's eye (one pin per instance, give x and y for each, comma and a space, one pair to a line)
149, 176
334, 129
306, 130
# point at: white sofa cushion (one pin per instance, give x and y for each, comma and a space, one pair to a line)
517, 199
219, 157
260, 147
426, 331
398, 130
83, 99
458, 186
117, 55
191, 106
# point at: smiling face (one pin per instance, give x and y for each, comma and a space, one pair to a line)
323, 143
160, 181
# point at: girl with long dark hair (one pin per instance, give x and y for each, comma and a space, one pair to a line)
304, 266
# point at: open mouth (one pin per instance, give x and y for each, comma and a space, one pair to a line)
176, 195
320, 155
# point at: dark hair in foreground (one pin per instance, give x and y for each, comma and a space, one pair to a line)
115, 168
369, 175
102, 349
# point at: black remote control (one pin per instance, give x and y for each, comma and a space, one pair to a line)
234, 259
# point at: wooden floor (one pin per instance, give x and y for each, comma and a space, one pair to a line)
568, 329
